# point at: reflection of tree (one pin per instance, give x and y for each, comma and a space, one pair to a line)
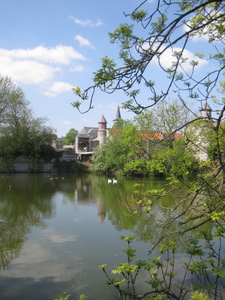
116, 202
25, 202
119, 205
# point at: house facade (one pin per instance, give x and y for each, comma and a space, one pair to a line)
91, 137
197, 133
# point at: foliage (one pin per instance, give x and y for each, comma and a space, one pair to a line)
63, 297
170, 116
20, 132
11, 100
121, 149
161, 276
147, 145
98, 158
217, 142
199, 296
70, 137
82, 297
70, 167
160, 39
163, 158
166, 38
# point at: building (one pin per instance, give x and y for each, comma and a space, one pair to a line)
197, 133
91, 137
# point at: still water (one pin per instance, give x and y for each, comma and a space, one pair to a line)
55, 231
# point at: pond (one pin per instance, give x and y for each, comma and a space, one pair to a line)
56, 231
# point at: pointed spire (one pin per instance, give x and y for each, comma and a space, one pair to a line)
102, 120
206, 110
118, 115
102, 124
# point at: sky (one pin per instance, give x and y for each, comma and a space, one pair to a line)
50, 46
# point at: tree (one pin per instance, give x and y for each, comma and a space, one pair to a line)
20, 132
70, 137
168, 34
170, 117
115, 153
11, 97
134, 147
167, 117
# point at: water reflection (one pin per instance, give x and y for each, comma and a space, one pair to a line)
55, 231
26, 203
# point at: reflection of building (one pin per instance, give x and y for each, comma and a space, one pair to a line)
101, 211
91, 137
83, 194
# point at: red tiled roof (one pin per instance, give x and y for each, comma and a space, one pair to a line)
151, 135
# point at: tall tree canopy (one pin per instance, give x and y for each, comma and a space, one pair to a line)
70, 137
20, 132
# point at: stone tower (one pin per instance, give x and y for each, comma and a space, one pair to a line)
206, 110
102, 130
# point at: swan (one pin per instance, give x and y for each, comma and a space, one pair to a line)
109, 180
114, 181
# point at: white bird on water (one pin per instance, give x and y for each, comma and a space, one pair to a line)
114, 181
109, 180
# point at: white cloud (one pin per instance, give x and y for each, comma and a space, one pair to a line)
87, 23
83, 42
167, 59
35, 255
78, 68
58, 55
58, 88
67, 123
196, 36
39, 66
62, 238
77, 220
84, 120
26, 71
208, 31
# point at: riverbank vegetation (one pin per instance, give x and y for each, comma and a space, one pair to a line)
166, 37
148, 145
25, 137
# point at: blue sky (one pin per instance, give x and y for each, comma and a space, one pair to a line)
49, 46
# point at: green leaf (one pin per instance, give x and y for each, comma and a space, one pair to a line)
129, 238
102, 267
199, 296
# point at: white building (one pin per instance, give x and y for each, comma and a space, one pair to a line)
197, 133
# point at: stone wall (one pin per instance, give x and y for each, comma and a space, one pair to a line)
23, 165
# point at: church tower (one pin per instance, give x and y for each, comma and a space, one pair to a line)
118, 115
102, 130
206, 110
